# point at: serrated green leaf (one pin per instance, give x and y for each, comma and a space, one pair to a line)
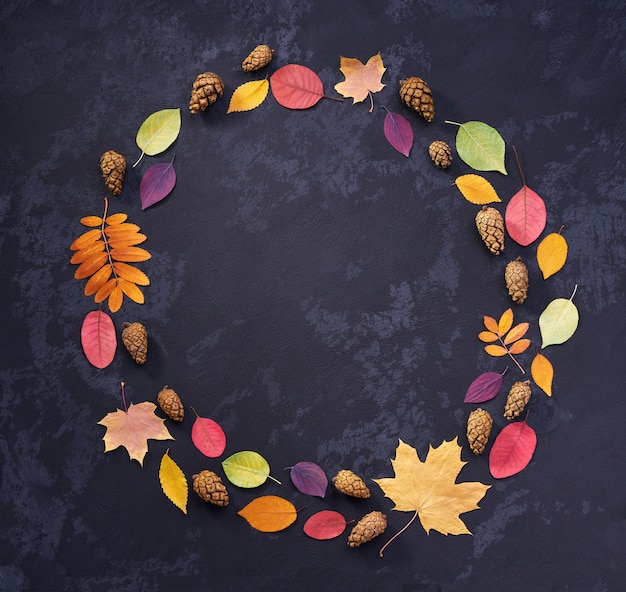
558, 322
246, 469
480, 146
158, 132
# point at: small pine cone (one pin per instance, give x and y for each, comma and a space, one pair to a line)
259, 57
207, 88
113, 167
516, 278
135, 339
170, 403
351, 484
517, 399
479, 425
440, 154
210, 488
491, 229
367, 528
416, 94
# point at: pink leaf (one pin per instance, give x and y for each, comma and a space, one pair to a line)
208, 437
484, 388
398, 132
325, 525
157, 183
98, 338
296, 87
525, 216
309, 478
512, 450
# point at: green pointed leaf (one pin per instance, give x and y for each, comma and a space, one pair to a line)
246, 469
558, 322
480, 146
158, 132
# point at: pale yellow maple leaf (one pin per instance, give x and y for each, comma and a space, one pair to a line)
429, 488
361, 79
133, 428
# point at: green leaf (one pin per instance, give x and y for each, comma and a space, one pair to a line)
559, 321
480, 146
158, 132
246, 469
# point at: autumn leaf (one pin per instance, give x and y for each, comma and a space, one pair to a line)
248, 96
485, 387
247, 469
476, 189
512, 450
309, 478
361, 80
98, 338
269, 513
551, 254
398, 132
324, 525
157, 183
429, 488
158, 132
173, 483
559, 321
208, 436
480, 146
509, 336
296, 87
543, 373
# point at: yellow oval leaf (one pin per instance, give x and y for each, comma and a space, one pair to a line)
173, 483
520, 346
131, 290
487, 336
490, 324
130, 273
476, 189
91, 236
496, 350
91, 221
516, 333
269, 513
542, 372
505, 322
248, 96
97, 280
91, 265
551, 254
115, 298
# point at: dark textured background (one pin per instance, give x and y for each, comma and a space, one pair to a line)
313, 290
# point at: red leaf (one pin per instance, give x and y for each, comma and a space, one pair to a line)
309, 478
525, 216
324, 525
398, 132
484, 388
157, 183
512, 450
208, 437
296, 87
98, 338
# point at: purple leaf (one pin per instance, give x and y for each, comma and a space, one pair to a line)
484, 388
398, 132
309, 478
157, 183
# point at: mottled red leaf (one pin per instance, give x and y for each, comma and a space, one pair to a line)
296, 87
309, 478
512, 450
98, 338
398, 132
208, 437
324, 525
484, 388
157, 183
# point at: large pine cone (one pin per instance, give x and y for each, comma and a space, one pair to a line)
207, 88
113, 167
135, 339
479, 425
490, 225
440, 154
367, 528
518, 397
210, 488
351, 484
170, 404
516, 278
259, 57
416, 94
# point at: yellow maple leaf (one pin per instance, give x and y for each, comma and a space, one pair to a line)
361, 79
429, 488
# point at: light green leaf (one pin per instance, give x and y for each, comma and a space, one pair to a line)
559, 321
158, 132
480, 146
247, 469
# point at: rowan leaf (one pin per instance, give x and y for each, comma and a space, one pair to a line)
508, 335
325, 525
480, 146
157, 183
490, 324
485, 387
476, 189
85, 239
543, 373
506, 322
208, 436
130, 254
91, 221
360, 79
551, 254
398, 132
309, 478
173, 483
116, 297
496, 350
519, 346
116, 218
296, 87
121, 231
512, 450
246, 469
86, 252
158, 132
559, 321
97, 280
516, 333
130, 273
487, 336
98, 338
91, 264
103, 293
269, 513
248, 96
131, 290
133, 428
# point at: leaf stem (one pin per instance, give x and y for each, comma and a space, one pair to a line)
105, 238
453, 122
332, 98
139, 159
124, 397
519, 166
382, 549
573, 293
511, 356
369, 92
274, 479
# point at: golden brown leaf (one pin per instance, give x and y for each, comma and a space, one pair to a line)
516, 333
115, 298
103, 293
496, 350
136, 238
116, 218
490, 324
97, 280
117, 230
91, 221
130, 254
85, 239
90, 265
131, 290
520, 346
505, 322
361, 80
551, 254
83, 254
543, 373
130, 273
269, 513
487, 336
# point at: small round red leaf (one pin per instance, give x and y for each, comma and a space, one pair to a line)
324, 525
208, 437
296, 87
98, 338
512, 450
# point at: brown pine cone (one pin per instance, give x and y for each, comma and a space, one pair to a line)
170, 404
210, 488
207, 88
490, 225
416, 94
135, 339
259, 57
351, 484
479, 425
516, 278
518, 397
367, 528
113, 167
440, 154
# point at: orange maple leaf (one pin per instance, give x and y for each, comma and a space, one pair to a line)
361, 80
133, 428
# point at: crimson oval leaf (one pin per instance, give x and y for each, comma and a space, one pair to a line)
525, 216
324, 525
208, 437
296, 87
98, 338
512, 450
309, 478
398, 132
157, 183
484, 388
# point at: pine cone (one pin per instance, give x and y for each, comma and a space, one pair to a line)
170, 403
416, 94
351, 484
440, 154
517, 398
491, 229
259, 57
367, 528
210, 488
135, 339
516, 278
479, 425
113, 167
207, 88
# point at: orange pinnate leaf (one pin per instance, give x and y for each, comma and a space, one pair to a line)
487, 336
85, 239
131, 290
490, 324
97, 280
269, 513
130, 273
130, 254
496, 350
116, 298
516, 333
509, 336
90, 265
519, 346
103, 293
85, 253
116, 218
505, 322
91, 221
361, 79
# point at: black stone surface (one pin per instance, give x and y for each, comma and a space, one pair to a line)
314, 291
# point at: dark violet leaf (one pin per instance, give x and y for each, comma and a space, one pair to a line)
484, 388
324, 525
398, 132
309, 478
157, 183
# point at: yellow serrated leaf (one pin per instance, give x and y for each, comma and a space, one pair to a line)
115, 298
490, 324
90, 265
173, 483
487, 336
551, 254
505, 322
85, 253
91, 236
543, 373
130, 273
91, 221
105, 291
248, 96
131, 290
476, 189
516, 333
496, 350
97, 280
130, 254
116, 218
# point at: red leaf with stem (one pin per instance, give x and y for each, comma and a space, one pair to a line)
512, 450
296, 87
208, 436
324, 525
